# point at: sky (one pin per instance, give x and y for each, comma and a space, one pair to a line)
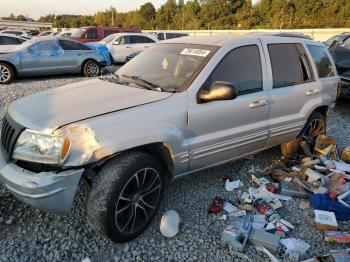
37, 8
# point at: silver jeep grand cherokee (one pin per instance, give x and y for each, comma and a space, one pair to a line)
181, 106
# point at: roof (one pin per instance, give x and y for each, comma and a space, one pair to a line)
221, 40
13, 36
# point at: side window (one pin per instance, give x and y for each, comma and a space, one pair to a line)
240, 67
123, 40
69, 45
286, 65
346, 43
142, 39
160, 36
108, 32
4, 40
132, 39
84, 47
306, 67
322, 61
91, 33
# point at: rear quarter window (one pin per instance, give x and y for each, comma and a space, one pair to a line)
323, 63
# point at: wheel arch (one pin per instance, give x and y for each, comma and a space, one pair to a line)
159, 150
87, 60
11, 65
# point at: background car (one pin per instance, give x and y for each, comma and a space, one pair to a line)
340, 51
97, 33
122, 45
21, 33
8, 42
169, 35
281, 34
337, 39
64, 34
131, 56
51, 56
46, 33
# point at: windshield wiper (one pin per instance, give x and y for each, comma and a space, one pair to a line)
143, 83
115, 79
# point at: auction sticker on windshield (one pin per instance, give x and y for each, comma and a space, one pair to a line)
195, 52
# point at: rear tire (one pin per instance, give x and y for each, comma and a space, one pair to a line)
315, 126
125, 196
91, 69
6, 73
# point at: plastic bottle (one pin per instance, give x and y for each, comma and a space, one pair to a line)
328, 163
169, 224
265, 208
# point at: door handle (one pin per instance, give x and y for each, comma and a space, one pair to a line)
259, 103
128, 47
79, 54
313, 92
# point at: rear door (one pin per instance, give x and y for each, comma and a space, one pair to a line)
121, 48
141, 43
71, 59
225, 130
293, 88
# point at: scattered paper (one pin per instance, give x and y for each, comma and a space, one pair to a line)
229, 208
231, 185
283, 197
295, 245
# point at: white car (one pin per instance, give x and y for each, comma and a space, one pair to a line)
21, 33
121, 45
8, 42
169, 35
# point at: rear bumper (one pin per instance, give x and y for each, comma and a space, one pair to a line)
50, 191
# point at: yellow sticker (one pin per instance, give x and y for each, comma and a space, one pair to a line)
165, 64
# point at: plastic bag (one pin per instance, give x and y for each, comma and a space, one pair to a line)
336, 185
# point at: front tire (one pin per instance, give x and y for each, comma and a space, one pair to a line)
6, 73
91, 69
125, 196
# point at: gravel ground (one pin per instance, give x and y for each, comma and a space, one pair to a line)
28, 234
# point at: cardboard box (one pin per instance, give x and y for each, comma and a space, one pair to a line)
325, 221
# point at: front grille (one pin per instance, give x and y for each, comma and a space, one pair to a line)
9, 134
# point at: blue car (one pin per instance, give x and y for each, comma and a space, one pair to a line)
51, 56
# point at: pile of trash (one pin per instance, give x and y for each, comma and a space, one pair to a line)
318, 174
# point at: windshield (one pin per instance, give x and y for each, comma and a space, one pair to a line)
168, 66
79, 32
108, 39
336, 39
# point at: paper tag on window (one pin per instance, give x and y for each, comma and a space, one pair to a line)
195, 52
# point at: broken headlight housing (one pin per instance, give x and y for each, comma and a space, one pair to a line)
39, 147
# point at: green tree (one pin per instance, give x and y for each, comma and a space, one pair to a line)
147, 15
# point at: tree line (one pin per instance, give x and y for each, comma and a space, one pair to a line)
217, 14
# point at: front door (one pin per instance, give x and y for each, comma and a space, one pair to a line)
225, 130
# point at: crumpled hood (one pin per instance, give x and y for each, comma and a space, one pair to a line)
53, 108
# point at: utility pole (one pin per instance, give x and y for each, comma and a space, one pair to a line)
112, 18
183, 18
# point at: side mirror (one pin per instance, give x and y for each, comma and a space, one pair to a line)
217, 91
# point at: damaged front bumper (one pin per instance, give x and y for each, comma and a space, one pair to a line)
50, 191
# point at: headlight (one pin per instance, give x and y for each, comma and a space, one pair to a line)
42, 148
